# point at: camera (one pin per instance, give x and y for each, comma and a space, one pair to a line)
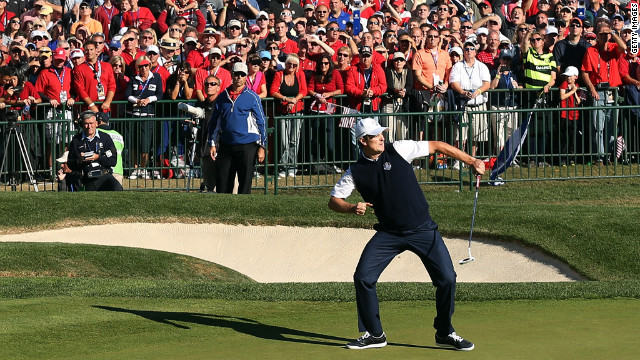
88, 154
12, 118
194, 111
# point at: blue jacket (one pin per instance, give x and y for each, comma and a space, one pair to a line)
237, 122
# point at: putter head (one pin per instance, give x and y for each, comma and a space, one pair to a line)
466, 260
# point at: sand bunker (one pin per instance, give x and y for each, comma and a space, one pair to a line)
295, 254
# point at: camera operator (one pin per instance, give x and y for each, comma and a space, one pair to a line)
95, 155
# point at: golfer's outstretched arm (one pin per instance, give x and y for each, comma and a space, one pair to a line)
454, 152
342, 206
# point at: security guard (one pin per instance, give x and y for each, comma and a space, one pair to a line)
94, 155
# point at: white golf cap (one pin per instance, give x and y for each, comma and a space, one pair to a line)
368, 126
457, 50
262, 14
240, 67
399, 55
552, 30
570, 71
482, 30
234, 23
76, 53
153, 48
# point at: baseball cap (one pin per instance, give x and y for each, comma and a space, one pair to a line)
368, 126
215, 50
309, 6
576, 19
321, 30
617, 16
35, 33
262, 14
570, 71
551, 30
482, 30
586, 23
365, 50
144, 62
566, 8
456, 49
398, 2
590, 35
486, 2
61, 54
153, 48
240, 67
64, 157
627, 27
254, 29
265, 54
114, 44
234, 22
45, 10
399, 55
190, 39
505, 53
76, 53
45, 51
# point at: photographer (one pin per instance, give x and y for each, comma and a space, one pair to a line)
211, 89
366, 82
95, 155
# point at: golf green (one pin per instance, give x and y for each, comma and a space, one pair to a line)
135, 328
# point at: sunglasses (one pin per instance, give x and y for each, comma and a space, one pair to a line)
575, 25
38, 26
84, 7
143, 66
273, 48
333, 29
365, 55
285, 14
262, 19
523, 29
130, 39
433, 36
14, 22
117, 65
373, 23
491, 22
211, 84
152, 53
390, 36
321, 12
325, 63
469, 49
443, 9
176, 29
536, 39
399, 59
37, 38
147, 37
235, 28
243, 45
343, 55
239, 74
466, 27
99, 42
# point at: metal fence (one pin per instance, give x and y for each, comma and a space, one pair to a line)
311, 150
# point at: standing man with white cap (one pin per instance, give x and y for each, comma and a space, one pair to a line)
384, 177
237, 133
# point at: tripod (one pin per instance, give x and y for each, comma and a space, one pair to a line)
15, 135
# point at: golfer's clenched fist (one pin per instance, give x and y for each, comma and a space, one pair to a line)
361, 208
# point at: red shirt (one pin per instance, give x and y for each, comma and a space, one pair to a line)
128, 58
164, 74
289, 47
602, 66
569, 102
104, 16
334, 84
141, 18
488, 59
27, 90
197, 60
51, 82
335, 46
85, 83
4, 19
356, 82
221, 73
278, 79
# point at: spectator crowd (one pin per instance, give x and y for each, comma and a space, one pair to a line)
388, 57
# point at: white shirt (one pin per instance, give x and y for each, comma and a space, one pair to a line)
408, 149
471, 78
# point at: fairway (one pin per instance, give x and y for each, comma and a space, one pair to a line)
133, 328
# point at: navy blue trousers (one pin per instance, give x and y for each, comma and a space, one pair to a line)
377, 255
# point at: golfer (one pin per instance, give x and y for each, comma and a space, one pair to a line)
384, 177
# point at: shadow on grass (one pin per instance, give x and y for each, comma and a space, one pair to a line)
242, 325
245, 326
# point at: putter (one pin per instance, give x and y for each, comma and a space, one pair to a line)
473, 220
